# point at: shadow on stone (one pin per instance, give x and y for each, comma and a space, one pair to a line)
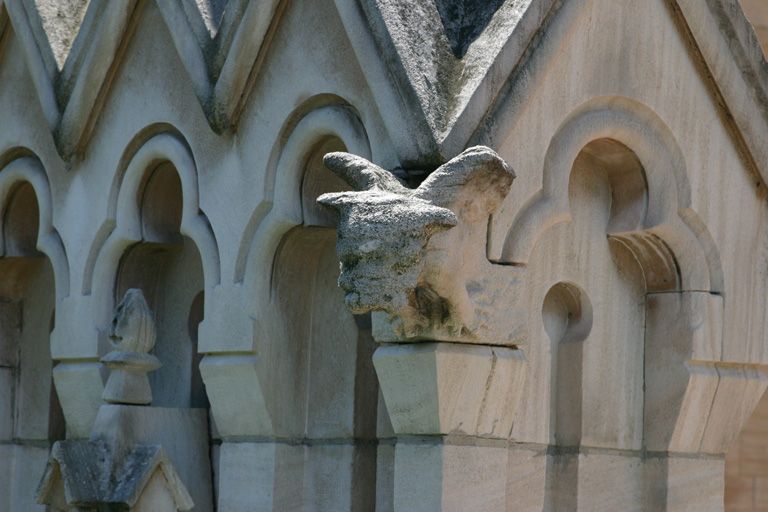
465, 20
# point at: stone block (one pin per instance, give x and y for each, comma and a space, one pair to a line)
79, 386
432, 476
235, 393
693, 484
328, 477
247, 476
433, 388
7, 454
281, 477
385, 477
681, 431
608, 482
32, 400
75, 335
227, 326
383, 423
738, 393
331, 381
526, 479
250, 474
24, 466
694, 401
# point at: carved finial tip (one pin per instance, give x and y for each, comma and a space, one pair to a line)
133, 327
133, 336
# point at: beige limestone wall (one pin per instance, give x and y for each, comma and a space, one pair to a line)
287, 371
746, 465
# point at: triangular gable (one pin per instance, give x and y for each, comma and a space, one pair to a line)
73, 60
91, 475
444, 97
435, 67
722, 39
446, 57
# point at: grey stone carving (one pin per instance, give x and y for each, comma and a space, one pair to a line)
133, 336
91, 475
408, 252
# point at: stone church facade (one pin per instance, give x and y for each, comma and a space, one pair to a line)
390, 255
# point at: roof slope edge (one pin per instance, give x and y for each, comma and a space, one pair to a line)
737, 67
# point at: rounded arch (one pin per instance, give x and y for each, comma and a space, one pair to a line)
27, 168
123, 225
317, 119
668, 214
35, 270
324, 366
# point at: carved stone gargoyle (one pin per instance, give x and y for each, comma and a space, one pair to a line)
416, 254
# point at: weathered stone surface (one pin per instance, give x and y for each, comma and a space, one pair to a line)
136, 456
448, 388
433, 476
133, 336
61, 21
183, 435
93, 476
591, 338
398, 247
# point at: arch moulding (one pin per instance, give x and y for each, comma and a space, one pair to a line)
28, 168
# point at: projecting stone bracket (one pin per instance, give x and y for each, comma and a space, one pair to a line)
450, 388
698, 396
419, 255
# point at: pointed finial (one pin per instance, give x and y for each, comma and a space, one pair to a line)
133, 336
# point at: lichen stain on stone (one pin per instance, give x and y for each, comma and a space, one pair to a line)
430, 304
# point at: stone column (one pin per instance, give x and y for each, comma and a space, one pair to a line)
239, 407
451, 395
290, 406
451, 407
